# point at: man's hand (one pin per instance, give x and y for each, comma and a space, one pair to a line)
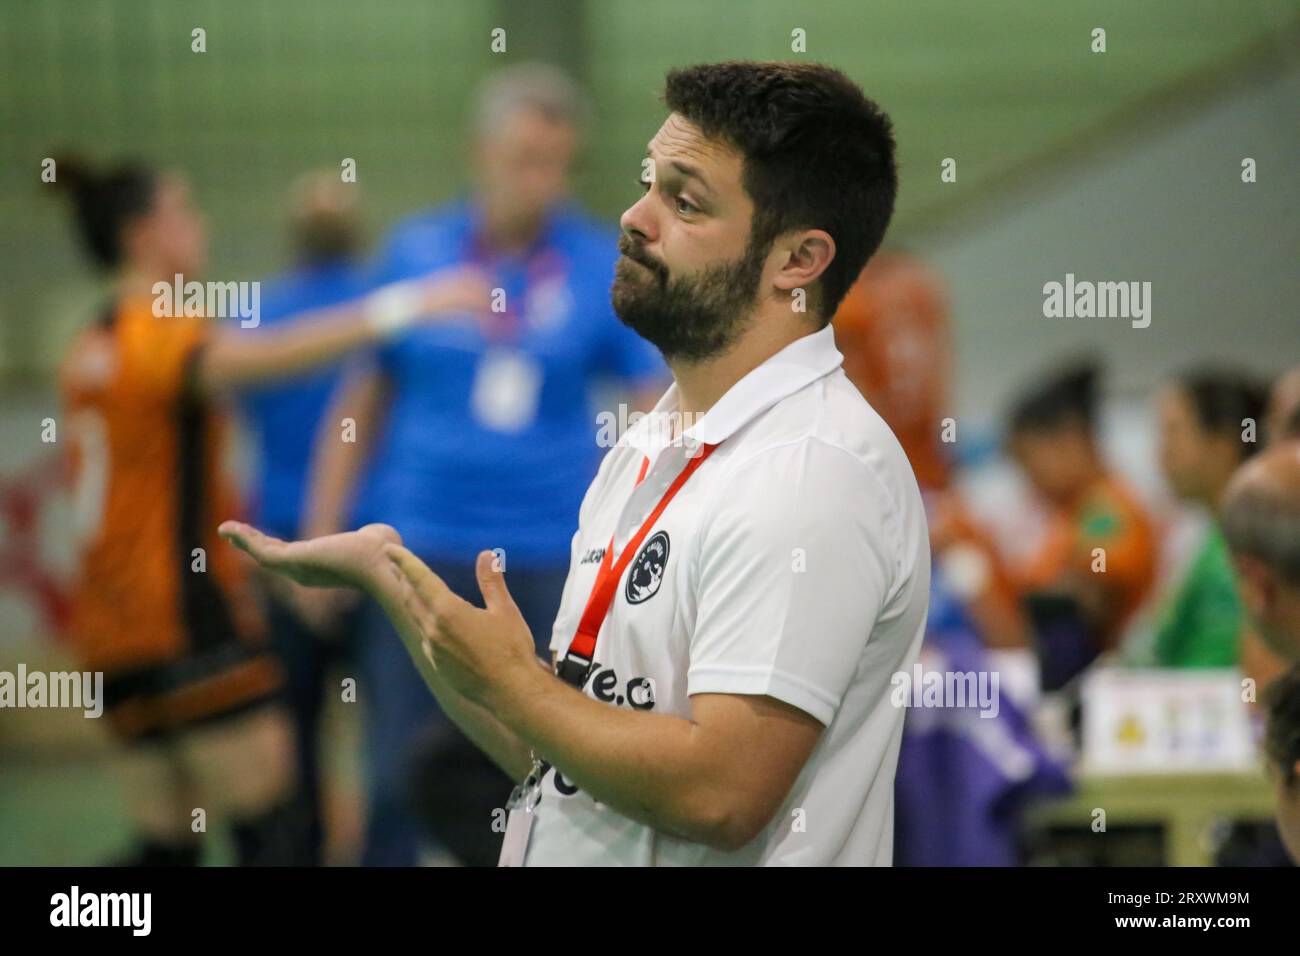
430, 299
482, 653
355, 559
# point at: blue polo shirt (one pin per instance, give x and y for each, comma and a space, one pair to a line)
284, 416
490, 440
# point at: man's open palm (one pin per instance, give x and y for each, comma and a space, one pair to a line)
353, 559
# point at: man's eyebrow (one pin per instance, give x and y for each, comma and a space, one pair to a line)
687, 170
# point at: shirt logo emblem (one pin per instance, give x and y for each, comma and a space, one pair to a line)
647, 571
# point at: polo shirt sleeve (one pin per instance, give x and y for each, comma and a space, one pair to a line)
570, 612
560, 629
799, 554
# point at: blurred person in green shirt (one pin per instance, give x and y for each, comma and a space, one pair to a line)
1209, 420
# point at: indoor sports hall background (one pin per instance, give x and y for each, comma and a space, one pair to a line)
1032, 148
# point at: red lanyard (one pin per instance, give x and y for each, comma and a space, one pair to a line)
582, 649
542, 264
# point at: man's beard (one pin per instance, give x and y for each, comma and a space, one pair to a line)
690, 318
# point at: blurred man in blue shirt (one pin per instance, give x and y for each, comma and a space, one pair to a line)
480, 433
309, 631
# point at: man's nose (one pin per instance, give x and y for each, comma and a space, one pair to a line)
637, 222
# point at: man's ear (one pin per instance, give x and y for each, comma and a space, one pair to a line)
1254, 584
806, 254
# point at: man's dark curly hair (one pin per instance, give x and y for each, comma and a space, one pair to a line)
817, 155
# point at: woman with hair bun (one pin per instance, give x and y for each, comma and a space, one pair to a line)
160, 608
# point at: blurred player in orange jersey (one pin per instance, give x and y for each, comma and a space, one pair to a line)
1098, 559
893, 328
158, 608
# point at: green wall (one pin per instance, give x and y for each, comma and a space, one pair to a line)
293, 84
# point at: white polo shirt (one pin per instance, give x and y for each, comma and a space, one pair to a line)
795, 564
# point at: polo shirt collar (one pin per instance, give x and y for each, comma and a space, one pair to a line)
800, 363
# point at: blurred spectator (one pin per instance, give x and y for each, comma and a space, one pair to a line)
1208, 419
310, 629
1281, 423
1261, 521
968, 562
1097, 561
964, 779
1282, 420
1260, 515
1282, 746
480, 435
894, 331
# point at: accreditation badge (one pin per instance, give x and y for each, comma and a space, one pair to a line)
507, 386
520, 816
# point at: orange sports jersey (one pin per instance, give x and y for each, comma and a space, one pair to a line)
1109, 518
148, 492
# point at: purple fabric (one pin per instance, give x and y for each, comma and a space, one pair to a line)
964, 780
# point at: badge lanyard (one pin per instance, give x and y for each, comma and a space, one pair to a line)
582, 649
504, 327
576, 666
508, 380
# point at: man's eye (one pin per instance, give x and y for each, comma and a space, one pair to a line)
680, 204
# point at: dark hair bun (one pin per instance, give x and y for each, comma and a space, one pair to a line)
72, 174
104, 202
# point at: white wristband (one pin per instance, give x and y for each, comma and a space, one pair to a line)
392, 308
